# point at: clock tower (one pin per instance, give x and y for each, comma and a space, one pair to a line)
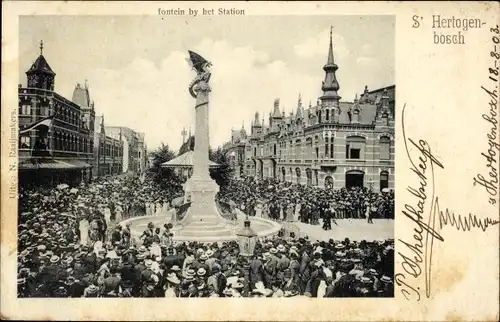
40, 75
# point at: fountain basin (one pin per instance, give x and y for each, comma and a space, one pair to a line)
262, 227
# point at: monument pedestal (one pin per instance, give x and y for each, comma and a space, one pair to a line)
203, 220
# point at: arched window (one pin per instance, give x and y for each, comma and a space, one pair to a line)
297, 172
331, 148
385, 145
309, 176
298, 148
309, 146
328, 182
327, 116
326, 147
64, 142
58, 141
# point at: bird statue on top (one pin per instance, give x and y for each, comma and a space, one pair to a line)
200, 65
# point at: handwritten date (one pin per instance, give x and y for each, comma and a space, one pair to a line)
428, 219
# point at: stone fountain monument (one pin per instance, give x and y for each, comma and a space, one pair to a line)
203, 219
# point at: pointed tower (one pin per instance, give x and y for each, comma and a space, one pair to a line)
242, 131
276, 111
299, 115
330, 85
276, 116
384, 115
385, 104
355, 111
40, 75
81, 96
365, 95
256, 125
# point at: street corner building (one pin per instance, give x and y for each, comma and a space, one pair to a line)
62, 140
332, 145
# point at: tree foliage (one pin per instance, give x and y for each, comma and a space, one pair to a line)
160, 155
222, 175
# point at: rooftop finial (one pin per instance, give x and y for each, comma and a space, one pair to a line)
330, 60
183, 133
41, 47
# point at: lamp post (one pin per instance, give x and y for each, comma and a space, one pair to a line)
246, 240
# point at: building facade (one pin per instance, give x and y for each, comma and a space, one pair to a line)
55, 134
134, 148
108, 151
235, 150
333, 144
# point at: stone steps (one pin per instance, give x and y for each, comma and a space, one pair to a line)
205, 225
190, 232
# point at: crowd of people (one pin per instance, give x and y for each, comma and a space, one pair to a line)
70, 245
276, 200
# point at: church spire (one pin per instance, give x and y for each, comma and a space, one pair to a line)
330, 85
41, 47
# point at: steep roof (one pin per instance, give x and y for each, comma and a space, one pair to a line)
81, 96
40, 65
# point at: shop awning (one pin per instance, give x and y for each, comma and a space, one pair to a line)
52, 164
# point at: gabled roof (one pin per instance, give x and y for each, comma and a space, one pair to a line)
40, 65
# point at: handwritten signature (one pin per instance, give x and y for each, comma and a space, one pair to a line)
420, 250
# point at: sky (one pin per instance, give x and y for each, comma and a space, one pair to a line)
136, 68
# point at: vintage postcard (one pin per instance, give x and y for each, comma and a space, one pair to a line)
303, 161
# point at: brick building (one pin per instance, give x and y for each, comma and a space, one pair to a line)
134, 157
55, 134
333, 144
235, 150
108, 151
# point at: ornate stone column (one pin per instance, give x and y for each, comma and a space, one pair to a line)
203, 219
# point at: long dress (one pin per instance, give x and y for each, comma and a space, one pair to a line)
155, 250
297, 211
118, 214
159, 208
107, 216
258, 210
148, 209
84, 227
